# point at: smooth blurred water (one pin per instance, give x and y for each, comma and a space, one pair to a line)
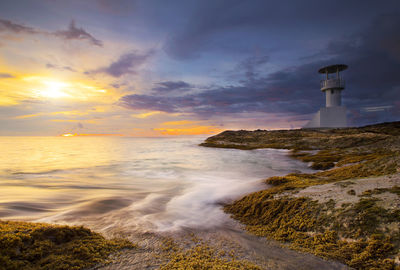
148, 184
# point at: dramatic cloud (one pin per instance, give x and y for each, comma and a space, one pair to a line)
74, 32
222, 25
6, 75
373, 59
224, 100
244, 64
254, 92
126, 64
170, 86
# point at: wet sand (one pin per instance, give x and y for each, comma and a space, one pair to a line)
265, 253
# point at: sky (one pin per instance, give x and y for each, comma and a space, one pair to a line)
164, 68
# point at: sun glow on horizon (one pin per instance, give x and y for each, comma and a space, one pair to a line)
89, 135
68, 135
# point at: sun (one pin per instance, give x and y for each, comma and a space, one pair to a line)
49, 87
54, 89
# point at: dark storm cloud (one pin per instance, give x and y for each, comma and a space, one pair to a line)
244, 24
374, 59
77, 33
209, 20
251, 97
126, 64
254, 93
373, 56
170, 86
251, 64
72, 33
6, 75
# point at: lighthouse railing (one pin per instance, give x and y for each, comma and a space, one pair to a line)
333, 83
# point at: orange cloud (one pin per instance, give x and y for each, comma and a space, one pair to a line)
148, 114
196, 130
145, 115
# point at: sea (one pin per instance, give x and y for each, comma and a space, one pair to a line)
138, 184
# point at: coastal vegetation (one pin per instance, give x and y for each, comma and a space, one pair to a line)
202, 255
25, 245
363, 234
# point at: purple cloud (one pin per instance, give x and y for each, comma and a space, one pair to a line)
147, 102
126, 64
6, 25
216, 101
235, 26
373, 56
74, 32
170, 86
52, 66
6, 75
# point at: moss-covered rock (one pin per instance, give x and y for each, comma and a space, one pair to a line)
25, 245
359, 234
203, 256
352, 234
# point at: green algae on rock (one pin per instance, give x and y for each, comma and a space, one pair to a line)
25, 245
362, 234
352, 234
203, 256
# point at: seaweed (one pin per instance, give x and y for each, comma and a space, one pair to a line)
357, 234
203, 256
25, 245
307, 225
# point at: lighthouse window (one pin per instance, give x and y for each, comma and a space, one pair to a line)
332, 92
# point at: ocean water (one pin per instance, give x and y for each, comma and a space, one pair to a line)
138, 184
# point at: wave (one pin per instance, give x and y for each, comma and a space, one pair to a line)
144, 185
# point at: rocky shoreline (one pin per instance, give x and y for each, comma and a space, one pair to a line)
344, 213
348, 210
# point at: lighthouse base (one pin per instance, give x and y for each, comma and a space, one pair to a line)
329, 117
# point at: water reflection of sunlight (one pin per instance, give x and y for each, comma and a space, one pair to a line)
68, 135
114, 181
42, 154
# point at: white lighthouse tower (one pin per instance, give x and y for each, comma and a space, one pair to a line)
334, 114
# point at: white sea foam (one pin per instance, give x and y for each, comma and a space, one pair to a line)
130, 183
